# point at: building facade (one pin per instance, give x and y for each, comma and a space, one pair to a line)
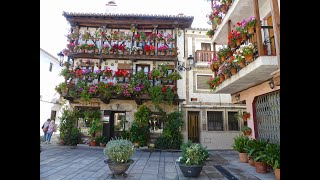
49, 79
257, 84
209, 117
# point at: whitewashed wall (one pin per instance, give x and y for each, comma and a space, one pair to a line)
48, 82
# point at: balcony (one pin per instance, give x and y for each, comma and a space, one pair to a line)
254, 73
240, 9
203, 57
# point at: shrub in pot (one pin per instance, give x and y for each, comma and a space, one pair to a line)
273, 158
119, 152
239, 145
192, 159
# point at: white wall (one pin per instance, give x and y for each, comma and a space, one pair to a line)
48, 81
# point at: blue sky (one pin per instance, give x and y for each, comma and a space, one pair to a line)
54, 27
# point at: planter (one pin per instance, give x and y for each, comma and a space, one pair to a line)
221, 77
118, 168
190, 171
102, 144
233, 71
277, 173
261, 167
243, 37
251, 30
247, 133
238, 42
251, 161
226, 76
242, 64
248, 58
136, 144
243, 157
93, 143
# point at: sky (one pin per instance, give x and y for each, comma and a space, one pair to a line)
54, 27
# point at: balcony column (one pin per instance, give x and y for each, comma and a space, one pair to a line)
229, 26
276, 26
214, 50
258, 27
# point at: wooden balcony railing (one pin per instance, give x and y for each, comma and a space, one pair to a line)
204, 56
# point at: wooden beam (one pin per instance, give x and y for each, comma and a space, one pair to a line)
214, 49
258, 27
276, 26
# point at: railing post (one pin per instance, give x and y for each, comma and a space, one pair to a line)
276, 26
229, 26
258, 27
214, 50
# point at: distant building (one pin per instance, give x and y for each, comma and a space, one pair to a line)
49, 78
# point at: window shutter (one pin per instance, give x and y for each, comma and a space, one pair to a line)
202, 82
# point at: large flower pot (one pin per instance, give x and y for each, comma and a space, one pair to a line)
118, 168
277, 173
190, 171
251, 161
261, 167
243, 157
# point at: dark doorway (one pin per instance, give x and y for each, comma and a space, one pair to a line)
114, 123
193, 126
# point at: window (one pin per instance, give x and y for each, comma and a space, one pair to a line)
50, 67
156, 123
144, 67
205, 46
233, 123
119, 121
215, 120
202, 82
53, 115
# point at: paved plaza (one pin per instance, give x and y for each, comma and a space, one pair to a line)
85, 162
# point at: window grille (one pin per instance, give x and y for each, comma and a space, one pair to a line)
215, 120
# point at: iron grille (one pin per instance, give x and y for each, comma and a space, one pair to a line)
233, 123
268, 117
215, 121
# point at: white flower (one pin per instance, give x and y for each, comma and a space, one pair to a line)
179, 159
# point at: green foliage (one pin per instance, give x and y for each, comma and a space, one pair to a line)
156, 94
245, 128
119, 150
210, 32
69, 133
169, 95
66, 73
92, 119
240, 143
139, 134
171, 138
254, 146
273, 155
174, 76
101, 139
142, 116
61, 87
193, 154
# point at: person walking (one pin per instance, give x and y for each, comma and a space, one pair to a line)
52, 128
45, 127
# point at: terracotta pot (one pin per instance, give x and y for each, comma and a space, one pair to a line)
251, 30
249, 58
238, 42
251, 161
222, 59
247, 133
233, 71
215, 66
242, 64
223, 9
243, 157
93, 143
277, 173
226, 76
261, 167
221, 76
243, 37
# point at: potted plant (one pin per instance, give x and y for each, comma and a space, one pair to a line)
246, 130
239, 145
174, 76
273, 158
102, 141
119, 152
249, 24
247, 51
210, 33
192, 159
254, 148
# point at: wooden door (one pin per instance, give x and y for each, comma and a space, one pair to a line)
205, 46
193, 126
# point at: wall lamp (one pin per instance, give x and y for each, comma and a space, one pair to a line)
61, 56
181, 66
237, 97
271, 83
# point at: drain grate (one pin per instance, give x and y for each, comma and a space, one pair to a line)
225, 173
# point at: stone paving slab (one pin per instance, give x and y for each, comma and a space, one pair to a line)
85, 162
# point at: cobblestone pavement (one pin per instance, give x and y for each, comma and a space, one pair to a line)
84, 162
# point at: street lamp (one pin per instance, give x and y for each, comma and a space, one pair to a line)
61, 56
181, 66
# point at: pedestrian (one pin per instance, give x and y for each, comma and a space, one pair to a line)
52, 128
45, 127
